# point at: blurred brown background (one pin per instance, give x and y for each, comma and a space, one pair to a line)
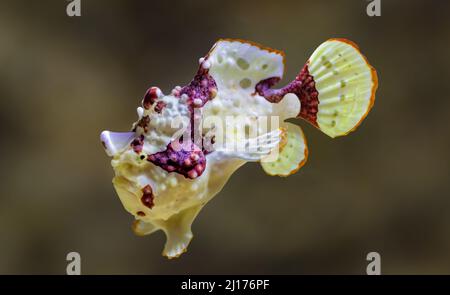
384, 188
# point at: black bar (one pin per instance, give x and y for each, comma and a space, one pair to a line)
292, 284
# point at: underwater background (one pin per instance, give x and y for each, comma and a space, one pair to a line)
383, 188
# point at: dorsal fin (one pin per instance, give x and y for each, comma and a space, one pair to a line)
237, 64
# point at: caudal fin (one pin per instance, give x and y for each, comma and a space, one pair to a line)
336, 89
340, 85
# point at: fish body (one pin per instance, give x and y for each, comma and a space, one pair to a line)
185, 145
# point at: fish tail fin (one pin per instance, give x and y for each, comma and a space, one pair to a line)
338, 88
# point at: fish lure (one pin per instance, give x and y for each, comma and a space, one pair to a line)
170, 165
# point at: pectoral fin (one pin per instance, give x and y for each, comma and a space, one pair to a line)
178, 231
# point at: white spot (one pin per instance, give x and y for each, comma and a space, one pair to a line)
194, 187
198, 102
201, 60
206, 65
173, 182
140, 112
158, 92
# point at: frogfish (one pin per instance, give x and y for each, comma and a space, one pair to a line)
185, 145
